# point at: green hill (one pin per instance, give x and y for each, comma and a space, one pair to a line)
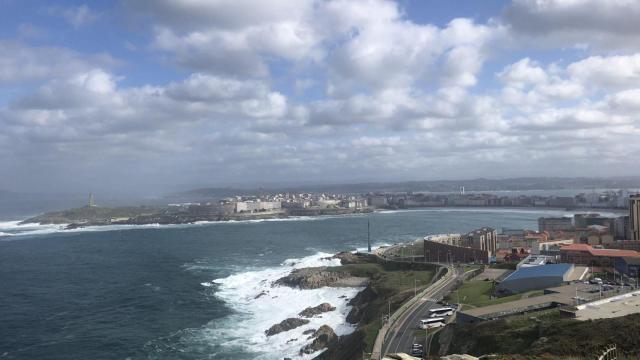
545, 336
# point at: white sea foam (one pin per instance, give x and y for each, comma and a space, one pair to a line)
258, 306
14, 228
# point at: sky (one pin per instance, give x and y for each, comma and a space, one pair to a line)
150, 96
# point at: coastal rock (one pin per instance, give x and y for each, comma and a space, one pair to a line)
323, 337
312, 278
286, 325
310, 331
359, 303
263, 293
347, 257
316, 310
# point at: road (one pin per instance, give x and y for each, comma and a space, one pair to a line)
405, 335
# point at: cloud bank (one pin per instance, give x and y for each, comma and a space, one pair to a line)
311, 90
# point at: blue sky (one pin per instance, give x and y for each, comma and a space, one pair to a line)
154, 95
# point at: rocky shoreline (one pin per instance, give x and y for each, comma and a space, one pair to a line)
318, 277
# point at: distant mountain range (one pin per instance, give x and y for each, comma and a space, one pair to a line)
474, 185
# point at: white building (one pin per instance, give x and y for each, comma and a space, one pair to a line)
447, 239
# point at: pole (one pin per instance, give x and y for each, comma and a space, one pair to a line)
426, 342
368, 235
600, 286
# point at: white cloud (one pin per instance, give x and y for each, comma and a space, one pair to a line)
611, 24
318, 89
20, 63
627, 101
522, 73
607, 72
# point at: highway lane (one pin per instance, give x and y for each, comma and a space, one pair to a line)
403, 339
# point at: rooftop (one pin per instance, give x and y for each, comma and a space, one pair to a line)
559, 295
616, 306
540, 271
600, 252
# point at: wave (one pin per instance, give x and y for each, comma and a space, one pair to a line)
257, 306
14, 228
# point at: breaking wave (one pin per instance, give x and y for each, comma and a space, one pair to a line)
258, 305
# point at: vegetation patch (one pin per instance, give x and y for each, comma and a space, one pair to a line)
544, 335
391, 284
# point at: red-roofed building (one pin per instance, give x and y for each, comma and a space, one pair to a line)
584, 254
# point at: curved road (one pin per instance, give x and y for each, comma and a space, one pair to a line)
404, 336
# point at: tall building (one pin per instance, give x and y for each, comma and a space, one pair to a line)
555, 224
634, 216
91, 203
484, 239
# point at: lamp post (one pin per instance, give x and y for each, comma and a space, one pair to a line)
426, 342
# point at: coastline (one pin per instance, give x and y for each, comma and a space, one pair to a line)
76, 221
390, 286
73, 218
33, 225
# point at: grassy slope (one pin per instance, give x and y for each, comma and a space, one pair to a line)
547, 336
92, 214
390, 281
478, 293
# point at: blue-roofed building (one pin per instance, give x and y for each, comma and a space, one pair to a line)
535, 278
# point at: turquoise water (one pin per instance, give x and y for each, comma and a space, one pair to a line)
188, 292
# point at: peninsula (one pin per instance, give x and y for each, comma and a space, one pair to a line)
173, 214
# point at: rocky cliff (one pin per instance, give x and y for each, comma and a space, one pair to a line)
322, 338
312, 278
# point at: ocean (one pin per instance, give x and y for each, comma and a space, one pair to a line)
191, 291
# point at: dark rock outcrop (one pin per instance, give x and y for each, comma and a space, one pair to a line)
310, 331
347, 257
359, 304
312, 278
316, 310
323, 337
286, 325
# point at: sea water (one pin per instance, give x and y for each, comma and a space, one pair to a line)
191, 291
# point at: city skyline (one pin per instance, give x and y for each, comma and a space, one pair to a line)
136, 96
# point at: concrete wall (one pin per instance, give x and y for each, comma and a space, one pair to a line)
437, 252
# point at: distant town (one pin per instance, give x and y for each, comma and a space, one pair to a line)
584, 267
282, 205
